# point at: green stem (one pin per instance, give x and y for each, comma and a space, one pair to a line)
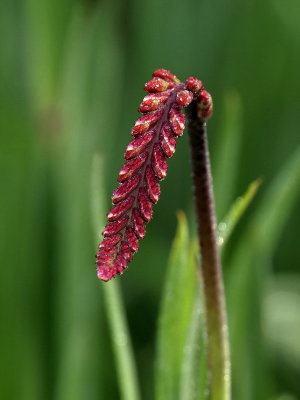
215, 309
126, 369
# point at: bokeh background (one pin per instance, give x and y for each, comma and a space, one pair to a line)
71, 79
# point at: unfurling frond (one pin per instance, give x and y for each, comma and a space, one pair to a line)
155, 134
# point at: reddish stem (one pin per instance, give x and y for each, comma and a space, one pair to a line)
216, 319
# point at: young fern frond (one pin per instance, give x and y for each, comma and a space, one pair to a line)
155, 135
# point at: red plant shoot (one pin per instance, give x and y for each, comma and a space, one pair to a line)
155, 134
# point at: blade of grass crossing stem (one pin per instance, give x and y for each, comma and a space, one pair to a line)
193, 382
228, 148
125, 364
249, 267
235, 213
175, 314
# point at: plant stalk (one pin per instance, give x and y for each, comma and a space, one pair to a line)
126, 368
214, 298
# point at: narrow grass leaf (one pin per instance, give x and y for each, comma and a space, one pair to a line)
235, 213
282, 319
175, 314
249, 266
227, 151
193, 382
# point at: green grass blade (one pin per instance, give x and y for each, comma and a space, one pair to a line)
281, 305
125, 364
193, 383
126, 369
282, 317
228, 148
175, 314
235, 213
249, 267
277, 204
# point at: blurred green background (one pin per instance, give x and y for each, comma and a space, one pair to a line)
71, 79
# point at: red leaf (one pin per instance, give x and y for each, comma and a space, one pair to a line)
165, 74
177, 120
137, 145
152, 186
152, 101
158, 85
138, 223
110, 241
143, 123
132, 240
145, 205
159, 163
131, 167
119, 209
125, 189
184, 98
116, 226
167, 140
